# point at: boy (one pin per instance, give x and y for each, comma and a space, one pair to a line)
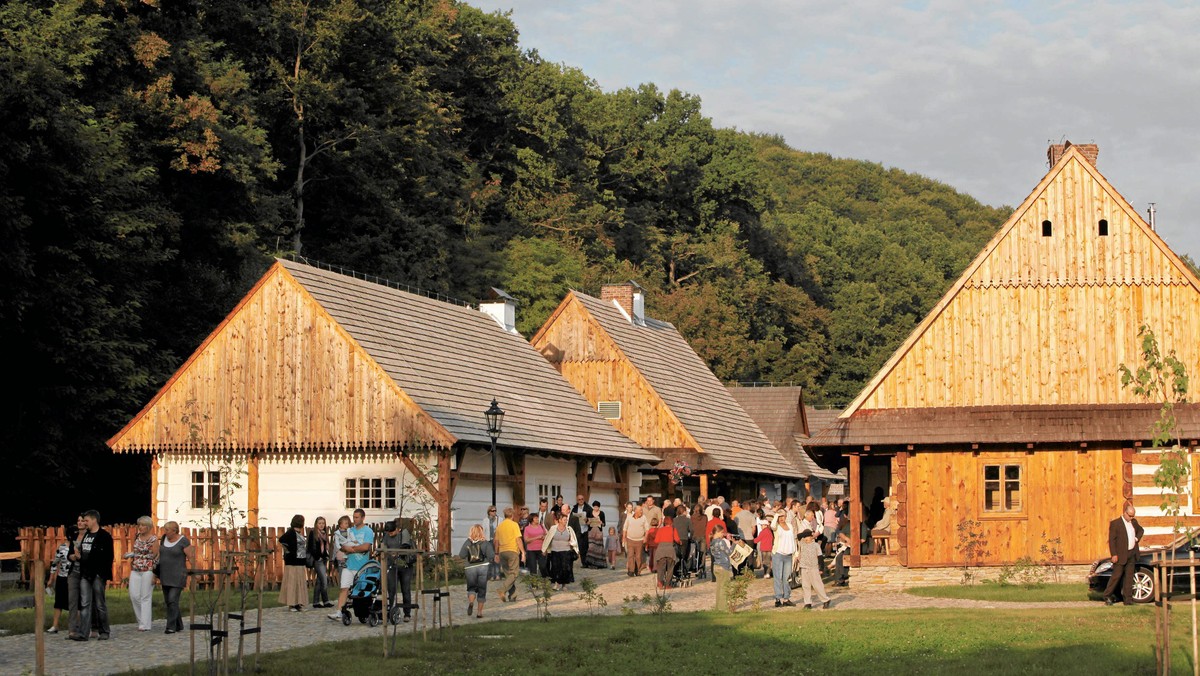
810, 571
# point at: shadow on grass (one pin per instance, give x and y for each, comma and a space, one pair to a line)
1058, 641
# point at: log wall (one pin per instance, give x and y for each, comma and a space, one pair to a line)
1069, 494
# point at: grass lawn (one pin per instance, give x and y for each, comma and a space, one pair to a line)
120, 610
1040, 641
1068, 591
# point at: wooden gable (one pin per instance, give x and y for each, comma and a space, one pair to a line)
591, 361
1049, 309
280, 373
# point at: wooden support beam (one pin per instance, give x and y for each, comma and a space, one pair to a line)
517, 463
581, 478
447, 491
419, 475
155, 466
1127, 473
856, 515
704, 486
622, 472
901, 465
251, 491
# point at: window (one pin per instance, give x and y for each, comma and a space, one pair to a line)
1047, 229
371, 493
1002, 488
206, 489
549, 491
609, 409
1103, 227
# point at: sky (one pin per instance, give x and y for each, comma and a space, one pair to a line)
968, 93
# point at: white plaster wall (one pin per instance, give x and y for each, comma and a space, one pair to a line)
318, 488
175, 492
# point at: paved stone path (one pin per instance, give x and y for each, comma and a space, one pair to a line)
282, 629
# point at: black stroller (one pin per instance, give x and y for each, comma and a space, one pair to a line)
364, 600
681, 575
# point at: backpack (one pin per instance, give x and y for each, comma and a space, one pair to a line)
474, 552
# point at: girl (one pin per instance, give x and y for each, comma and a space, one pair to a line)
810, 572
720, 549
318, 549
476, 552
613, 546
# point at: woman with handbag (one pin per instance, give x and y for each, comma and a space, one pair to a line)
318, 560
141, 575
562, 547
174, 550
293, 592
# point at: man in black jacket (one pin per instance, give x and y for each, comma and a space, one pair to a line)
96, 562
1124, 534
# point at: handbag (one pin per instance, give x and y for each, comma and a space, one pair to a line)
310, 561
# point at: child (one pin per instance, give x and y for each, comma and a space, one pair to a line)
612, 545
810, 572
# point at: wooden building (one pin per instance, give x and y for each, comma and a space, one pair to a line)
330, 393
642, 376
780, 413
1004, 405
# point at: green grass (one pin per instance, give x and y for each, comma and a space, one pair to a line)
120, 610
1074, 591
1090, 641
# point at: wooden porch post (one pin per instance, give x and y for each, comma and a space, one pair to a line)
155, 466
855, 511
622, 472
443, 500
581, 479
251, 491
518, 471
704, 486
901, 464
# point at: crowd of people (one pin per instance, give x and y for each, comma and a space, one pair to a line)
674, 541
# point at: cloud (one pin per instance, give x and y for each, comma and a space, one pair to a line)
968, 93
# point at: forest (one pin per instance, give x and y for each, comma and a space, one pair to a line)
158, 155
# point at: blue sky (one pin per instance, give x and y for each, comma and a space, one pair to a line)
968, 93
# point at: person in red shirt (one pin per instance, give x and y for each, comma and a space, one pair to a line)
651, 542
665, 538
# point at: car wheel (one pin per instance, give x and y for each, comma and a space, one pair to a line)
1143, 586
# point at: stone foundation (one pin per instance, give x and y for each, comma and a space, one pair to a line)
891, 576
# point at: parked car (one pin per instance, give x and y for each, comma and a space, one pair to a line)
1143, 576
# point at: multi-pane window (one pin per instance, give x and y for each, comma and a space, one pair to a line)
206, 489
371, 493
1002, 488
549, 491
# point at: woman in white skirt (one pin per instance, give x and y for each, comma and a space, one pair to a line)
141, 575
294, 590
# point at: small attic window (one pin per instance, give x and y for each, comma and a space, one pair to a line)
1103, 227
610, 410
1047, 229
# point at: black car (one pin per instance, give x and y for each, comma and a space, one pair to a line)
1143, 576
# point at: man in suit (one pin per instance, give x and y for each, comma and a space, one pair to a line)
1124, 534
581, 511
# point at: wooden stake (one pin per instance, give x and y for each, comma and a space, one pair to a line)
387, 612
1154, 560
39, 611
1195, 641
1166, 622
446, 583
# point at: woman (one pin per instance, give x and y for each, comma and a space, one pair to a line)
534, 534
60, 573
294, 589
720, 549
141, 576
73, 619
174, 550
476, 553
634, 534
318, 549
666, 538
562, 546
783, 549
699, 542
596, 556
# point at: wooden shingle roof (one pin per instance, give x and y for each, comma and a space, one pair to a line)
452, 360
726, 435
781, 415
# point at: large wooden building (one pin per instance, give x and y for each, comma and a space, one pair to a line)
1004, 406
641, 375
331, 393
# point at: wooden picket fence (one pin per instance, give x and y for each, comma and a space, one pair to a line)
40, 542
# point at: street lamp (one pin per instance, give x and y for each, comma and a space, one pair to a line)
495, 419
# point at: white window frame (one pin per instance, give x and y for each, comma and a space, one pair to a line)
375, 492
206, 484
549, 491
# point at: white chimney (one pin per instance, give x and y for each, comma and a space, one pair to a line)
501, 307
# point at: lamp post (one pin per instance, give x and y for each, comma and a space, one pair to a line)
495, 419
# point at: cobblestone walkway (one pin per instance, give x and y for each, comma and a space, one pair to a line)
131, 649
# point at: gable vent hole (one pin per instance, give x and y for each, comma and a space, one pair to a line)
609, 409
1103, 227
1047, 229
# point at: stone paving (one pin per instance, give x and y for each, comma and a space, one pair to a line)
282, 629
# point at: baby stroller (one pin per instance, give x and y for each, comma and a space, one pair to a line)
681, 575
364, 597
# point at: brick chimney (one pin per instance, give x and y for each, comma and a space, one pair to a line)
630, 297
1090, 151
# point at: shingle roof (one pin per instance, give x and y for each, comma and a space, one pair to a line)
1003, 424
681, 378
452, 360
776, 411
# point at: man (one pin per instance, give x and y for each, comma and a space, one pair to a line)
489, 527
1124, 534
358, 552
651, 511
683, 528
400, 566
581, 511
510, 554
746, 521
96, 561
543, 511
